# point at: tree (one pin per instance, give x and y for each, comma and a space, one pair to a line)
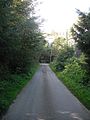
61, 51
45, 55
81, 34
65, 54
59, 44
20, 38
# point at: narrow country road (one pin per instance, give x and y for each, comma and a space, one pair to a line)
46, 98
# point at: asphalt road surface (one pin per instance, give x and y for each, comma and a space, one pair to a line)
46, 98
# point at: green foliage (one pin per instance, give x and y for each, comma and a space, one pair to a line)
75, 77
74, 71
61, 51
21, 43
81, 34
11, 86
62, 57
45, 55
80, 91
58, 44
72, 77
20, 38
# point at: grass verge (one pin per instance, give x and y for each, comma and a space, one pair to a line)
11, 87
80, 91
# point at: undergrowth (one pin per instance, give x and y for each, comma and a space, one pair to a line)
10, 87
72, 77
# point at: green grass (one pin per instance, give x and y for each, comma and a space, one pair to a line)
80, 91
11, 87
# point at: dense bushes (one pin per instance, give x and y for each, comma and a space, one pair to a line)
62, 57
74, 77
73, 70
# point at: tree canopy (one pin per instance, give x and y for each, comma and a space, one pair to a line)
81, 34
20, 38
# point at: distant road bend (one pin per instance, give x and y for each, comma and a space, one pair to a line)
46, 98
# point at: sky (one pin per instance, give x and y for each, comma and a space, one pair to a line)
59, 15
